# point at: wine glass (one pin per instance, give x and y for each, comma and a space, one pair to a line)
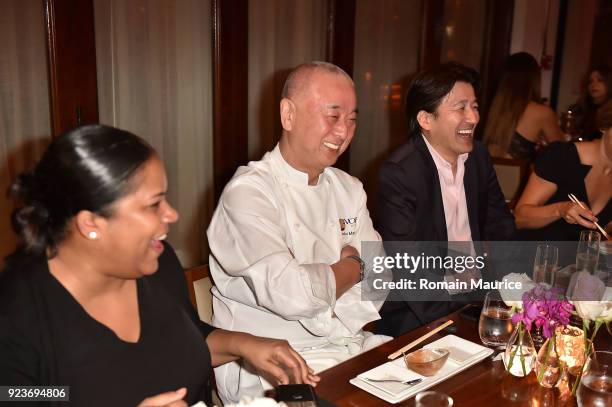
495, 324
596, 384
587, 254
545, 264
544, 271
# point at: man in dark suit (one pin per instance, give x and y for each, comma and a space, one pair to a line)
440, 185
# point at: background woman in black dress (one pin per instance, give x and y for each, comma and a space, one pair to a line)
518, 120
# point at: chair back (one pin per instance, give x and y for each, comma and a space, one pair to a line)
199, 285
512, 175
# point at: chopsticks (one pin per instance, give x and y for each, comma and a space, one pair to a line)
575, 200
419, 340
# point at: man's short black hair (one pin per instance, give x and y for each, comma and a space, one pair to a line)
428, 89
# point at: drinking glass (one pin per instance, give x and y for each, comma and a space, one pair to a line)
604, 267
596, 385
495, 324
588, 251
433, 399
545, 264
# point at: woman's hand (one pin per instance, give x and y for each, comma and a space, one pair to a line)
168, 399
572, 213
276, 361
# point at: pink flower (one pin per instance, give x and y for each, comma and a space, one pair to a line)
545, 307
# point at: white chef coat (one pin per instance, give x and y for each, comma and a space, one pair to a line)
272, 240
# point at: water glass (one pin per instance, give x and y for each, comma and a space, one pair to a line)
495, 323
545, 264
604, 267
596, 384
433, 399
587, 254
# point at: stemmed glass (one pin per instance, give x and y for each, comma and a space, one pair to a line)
545, 264
544, 271
495, 324
596, 384
587, 254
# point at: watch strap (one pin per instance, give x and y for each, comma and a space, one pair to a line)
361, 265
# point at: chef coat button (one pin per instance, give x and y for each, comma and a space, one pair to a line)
296, 225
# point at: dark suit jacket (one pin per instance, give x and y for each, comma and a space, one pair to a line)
410, 208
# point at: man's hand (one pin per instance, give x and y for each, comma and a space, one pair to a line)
276, 361
348, 250
168, 399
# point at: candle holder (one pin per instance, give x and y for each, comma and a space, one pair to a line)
571, 349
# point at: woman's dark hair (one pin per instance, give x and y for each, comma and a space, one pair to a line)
591, 117
519, 85
87, 168
606, 76
428, 89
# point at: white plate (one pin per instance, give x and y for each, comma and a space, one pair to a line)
470, 352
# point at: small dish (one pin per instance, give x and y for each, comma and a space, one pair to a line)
426, 362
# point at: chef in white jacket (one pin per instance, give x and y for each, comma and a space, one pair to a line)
287, 234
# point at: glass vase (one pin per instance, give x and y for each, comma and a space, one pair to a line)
548, 366
520, 352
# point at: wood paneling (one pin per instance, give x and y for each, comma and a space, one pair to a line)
72, 63
431, 34
559, 47
230, 73
341, 47
341, 34
602, 35
496, 48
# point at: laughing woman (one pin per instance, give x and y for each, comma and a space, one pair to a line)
93, 298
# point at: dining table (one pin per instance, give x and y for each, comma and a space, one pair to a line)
486, 383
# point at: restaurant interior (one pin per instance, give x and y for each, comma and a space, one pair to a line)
201, 81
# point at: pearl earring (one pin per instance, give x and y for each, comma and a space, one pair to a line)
93, 235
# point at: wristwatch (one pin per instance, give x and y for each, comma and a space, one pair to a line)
362, 265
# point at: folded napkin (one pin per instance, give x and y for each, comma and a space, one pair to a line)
395, 370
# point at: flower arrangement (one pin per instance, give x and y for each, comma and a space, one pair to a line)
546, 308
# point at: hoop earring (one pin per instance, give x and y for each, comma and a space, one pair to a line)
92, 235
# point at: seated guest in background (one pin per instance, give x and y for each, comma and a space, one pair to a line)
594, 108
517, 120
584, 169
440, 185
93, 298
286, 236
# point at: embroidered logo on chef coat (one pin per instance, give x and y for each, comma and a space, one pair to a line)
348, 226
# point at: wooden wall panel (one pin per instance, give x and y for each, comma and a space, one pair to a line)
341, 48
230, 73
72, 63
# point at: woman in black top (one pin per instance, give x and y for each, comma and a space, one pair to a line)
93, 298
583, 169
518, 120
